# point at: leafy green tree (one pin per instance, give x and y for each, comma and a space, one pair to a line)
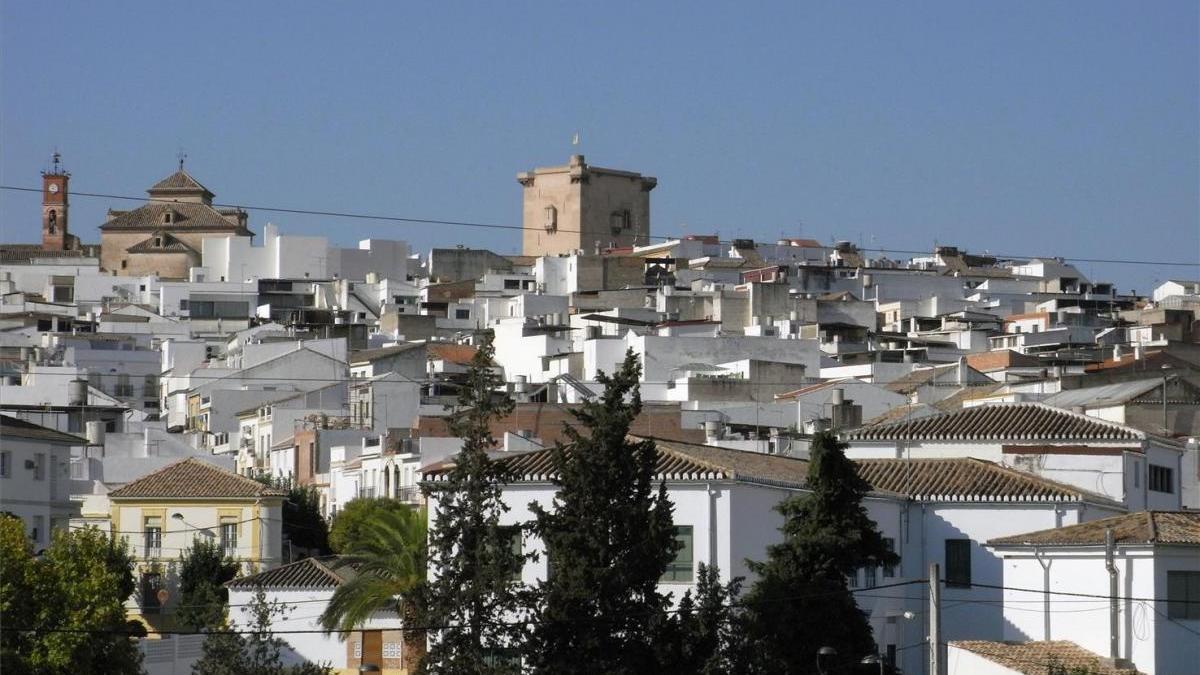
800, 601
303, 524
71, 600
609, 538
387, 553
347, 529
203, 571
471, 596
252, 650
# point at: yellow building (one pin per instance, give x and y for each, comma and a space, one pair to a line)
163, 513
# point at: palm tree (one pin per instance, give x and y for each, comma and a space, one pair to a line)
388, 561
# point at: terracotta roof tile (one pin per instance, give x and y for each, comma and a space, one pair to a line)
193, 478
310, 573
966, 479
460, 354
16, 427
1035, 658
180, 182
1000, 421
184, 216
1143, 527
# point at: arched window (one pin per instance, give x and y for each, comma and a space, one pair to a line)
52, 221
387, 482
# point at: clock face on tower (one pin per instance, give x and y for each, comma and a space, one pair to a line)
53, 188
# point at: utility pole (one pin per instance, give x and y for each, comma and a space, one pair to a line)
1113, 607
937, 662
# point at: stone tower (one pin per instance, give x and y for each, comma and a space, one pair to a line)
584, 208
55, 236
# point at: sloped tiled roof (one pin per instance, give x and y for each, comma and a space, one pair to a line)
307, 574
185, 216
1036, 658
459, 354
1178, 391
180, 182
1000, 421
676, 461
1143, 527
15, 427
966, 479
170, 244
193, 478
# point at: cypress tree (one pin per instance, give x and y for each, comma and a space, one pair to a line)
472, 601
609, 538
800, 601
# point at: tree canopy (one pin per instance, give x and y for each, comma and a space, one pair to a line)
800, 601
70, 601
203, 571
609, 538
347, 529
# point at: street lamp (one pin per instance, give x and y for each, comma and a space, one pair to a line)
870, 659
828, 652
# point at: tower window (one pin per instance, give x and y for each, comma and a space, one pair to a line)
158, 242
52, 221
551, 223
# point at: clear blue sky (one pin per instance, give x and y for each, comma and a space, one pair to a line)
1019, 127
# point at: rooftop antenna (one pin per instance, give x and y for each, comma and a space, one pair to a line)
57, 159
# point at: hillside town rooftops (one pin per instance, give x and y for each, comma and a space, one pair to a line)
1000, 421
1143, 527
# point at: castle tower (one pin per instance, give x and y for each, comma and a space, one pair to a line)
581, 208
55, 236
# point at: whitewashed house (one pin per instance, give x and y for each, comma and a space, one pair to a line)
305, 588
1057, 588
34, 476
1118, 462
934, 510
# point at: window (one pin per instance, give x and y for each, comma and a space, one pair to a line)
1161, 479
152, 526
852, 580
229, 535
1183, 595
462, 313
183, 304
512, 534
166, 219
391, 650
680, 569
39, 466
551, 218
150, 385
958, 562
869, 576
151, 585
5, 464
39, 526
512, 284
124, 389
888, 570
124, 264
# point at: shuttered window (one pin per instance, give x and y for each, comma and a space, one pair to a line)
680, 569
958, 562
1183, 595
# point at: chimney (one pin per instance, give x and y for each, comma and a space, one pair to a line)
714, 430
960, 374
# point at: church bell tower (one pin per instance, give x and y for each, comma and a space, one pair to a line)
54, 207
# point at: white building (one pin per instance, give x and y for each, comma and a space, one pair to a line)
306, 587
1057, 588
936, 510
35, 478
1117, 462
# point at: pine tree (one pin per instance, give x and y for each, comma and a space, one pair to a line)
472, 597
800, 601
609, 538
203, 571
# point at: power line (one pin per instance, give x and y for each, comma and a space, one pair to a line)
500, 226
